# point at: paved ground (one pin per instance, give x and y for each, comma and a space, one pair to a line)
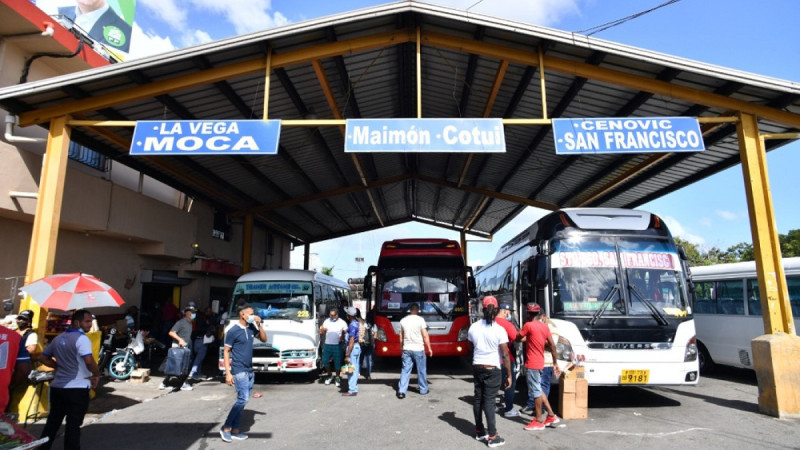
295, 412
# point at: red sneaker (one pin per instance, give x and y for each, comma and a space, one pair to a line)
551, 420
535, 425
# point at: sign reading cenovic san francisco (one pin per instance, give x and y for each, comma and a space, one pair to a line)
627, 135
425, 135
205, 137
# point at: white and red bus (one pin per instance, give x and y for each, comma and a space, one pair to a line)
430, 273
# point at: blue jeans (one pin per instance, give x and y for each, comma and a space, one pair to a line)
508, 394
366, 358
409, 359
487, 383
534, 378
199, 349
243, 381
547, 374
352, 379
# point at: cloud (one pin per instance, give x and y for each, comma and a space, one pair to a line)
727, 215
195, 37
541, 12
167, 10
706, 222
245, 15
147, 44
678, 230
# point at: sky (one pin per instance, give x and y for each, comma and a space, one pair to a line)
756, 37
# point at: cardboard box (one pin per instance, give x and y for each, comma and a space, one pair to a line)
582, 393
140, 376
569, 409
573, 395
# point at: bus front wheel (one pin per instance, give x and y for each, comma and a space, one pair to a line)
704, 360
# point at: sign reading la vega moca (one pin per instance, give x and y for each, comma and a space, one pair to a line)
206, 137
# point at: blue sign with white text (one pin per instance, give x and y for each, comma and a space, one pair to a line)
425, 135
627, 135
205, 137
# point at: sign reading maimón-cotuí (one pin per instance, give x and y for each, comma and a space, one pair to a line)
627, 135
425, 135
206, 137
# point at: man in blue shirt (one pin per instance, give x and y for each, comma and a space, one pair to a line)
353, 351
70, 353
238, 359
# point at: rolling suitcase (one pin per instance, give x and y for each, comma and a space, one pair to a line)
178, 361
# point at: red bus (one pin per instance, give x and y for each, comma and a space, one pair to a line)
430, 273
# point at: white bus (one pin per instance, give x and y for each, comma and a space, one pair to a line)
727, 308
614, 283
292, 304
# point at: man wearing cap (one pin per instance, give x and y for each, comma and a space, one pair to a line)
181, 334
30, 340
489, 346
353, 351
414, 339
502, 319
535, 334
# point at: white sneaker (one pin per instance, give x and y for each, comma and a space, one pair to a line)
186, 387
328, 380
163, 386
511, 413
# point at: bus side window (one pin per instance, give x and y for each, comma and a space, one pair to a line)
753, 298
793, 283
730, 297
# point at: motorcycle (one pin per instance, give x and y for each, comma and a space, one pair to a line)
125, 359
106, 351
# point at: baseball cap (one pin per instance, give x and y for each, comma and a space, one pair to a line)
533, 307
350, 310
189, 308
27, 315
489, 300
506, 305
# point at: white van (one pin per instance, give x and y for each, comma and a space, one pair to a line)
292, 304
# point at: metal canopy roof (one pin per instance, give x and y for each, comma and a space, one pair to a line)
363, 64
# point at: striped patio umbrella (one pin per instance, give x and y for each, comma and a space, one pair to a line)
72, 291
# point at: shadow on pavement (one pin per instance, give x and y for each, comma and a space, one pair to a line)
626, 397
741, 405
462, 425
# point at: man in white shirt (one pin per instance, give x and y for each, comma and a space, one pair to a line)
333, 329
490, 345
414, 338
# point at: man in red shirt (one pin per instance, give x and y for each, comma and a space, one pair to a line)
16, 363
535, 334
502, 319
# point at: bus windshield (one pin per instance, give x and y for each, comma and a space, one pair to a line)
438, 290
612, 276
275, 299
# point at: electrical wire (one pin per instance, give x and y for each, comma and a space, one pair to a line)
614, 23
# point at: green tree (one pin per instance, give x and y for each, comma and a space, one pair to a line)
328, 271
692, 252
790, 243
743, 251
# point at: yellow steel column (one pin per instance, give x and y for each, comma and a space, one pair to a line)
247, 243
268, 72
774, 354
44, 237
766, 246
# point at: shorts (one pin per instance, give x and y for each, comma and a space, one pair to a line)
332, 351
534, 377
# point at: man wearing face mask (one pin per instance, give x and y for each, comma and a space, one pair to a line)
30, 340
181, 334
237, 357
333, 330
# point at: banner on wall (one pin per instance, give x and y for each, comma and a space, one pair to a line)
108, 22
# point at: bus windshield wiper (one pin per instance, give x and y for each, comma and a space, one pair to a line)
606, 302
653, 309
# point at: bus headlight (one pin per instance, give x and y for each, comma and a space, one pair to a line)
564, 349
462, 334
691, 350
381, 334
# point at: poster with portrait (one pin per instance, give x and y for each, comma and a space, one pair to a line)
108, 22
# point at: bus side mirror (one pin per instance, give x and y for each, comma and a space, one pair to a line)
368, 281
542, 271
543, 248
682, 253
471, 287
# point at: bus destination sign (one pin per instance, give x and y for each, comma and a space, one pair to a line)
205, 137
425, 136
627, 135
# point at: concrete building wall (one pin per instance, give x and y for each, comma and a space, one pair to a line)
116, 224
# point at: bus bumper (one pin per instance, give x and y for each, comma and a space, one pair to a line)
659, 374
448, 349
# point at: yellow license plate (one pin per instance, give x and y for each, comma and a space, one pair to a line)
634, 377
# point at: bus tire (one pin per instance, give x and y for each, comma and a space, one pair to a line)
705, 363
